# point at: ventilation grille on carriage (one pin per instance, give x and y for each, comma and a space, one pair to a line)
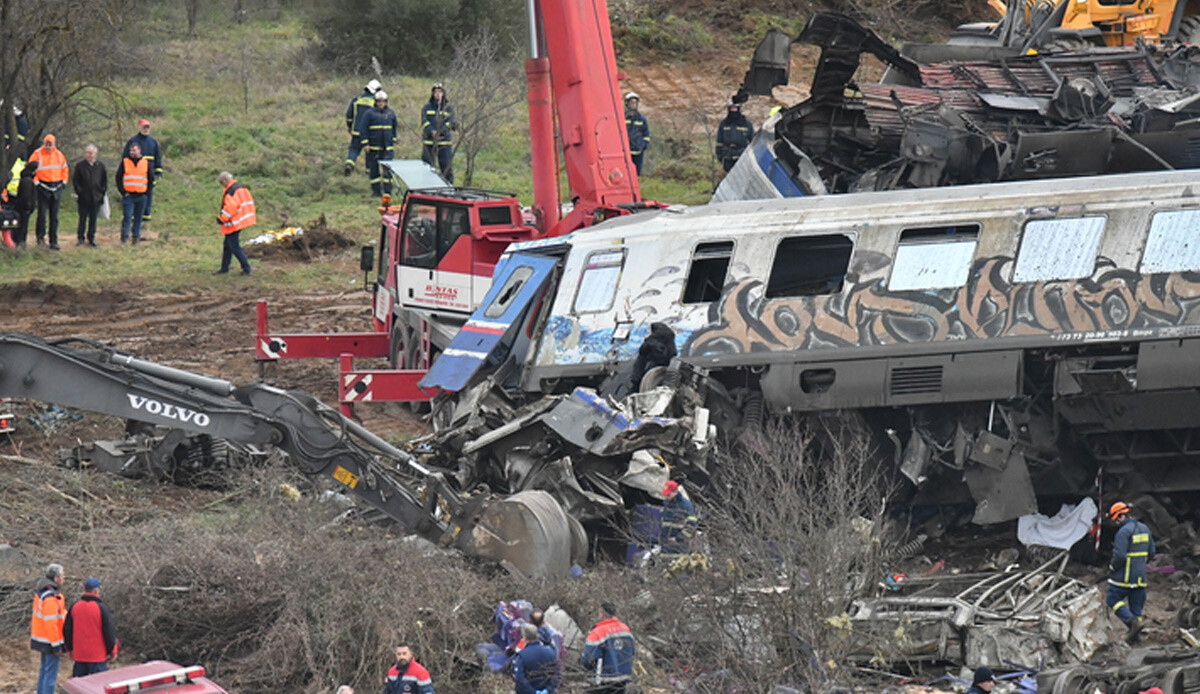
911, 380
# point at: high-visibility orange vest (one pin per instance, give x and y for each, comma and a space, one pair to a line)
136, 178
237, 209
46, 628
52, 166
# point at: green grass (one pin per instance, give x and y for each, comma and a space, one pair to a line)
248, 99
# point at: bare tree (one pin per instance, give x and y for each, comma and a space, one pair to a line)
794, 530
52, 52
486, 88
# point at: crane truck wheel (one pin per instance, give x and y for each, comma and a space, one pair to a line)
528, 533
1189, 29
404, 353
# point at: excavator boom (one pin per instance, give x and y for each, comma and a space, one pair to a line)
318, 441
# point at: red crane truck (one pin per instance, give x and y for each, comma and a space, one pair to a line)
439, 247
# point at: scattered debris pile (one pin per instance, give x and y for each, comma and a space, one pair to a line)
316, 236
1038, 616
1084, 112
168, 455
1171, 670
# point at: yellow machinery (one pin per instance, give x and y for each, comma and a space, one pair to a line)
1038, 24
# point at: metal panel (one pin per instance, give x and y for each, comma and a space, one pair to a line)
490, 328
1168, 364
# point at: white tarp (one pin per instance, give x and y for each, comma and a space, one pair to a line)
1061, 531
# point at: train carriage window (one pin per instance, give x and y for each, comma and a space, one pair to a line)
598, 284
934, 257
1173, 244
710, 264
810, 266
1058, 249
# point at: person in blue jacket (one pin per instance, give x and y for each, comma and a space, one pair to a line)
733, 135
354, 111
535, 667
608, 653
638, 130
678, 522
1132, 548
377, 134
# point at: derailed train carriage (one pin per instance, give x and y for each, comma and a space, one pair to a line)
1009, 340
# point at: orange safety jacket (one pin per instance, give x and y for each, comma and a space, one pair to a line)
135, 176
237, 209
49, 611
52, 166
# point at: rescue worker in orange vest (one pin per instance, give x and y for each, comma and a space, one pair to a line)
88, 632
133, 181
51, 178
46, 628
237, 213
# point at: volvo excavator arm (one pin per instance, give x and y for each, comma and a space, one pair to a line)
318, 441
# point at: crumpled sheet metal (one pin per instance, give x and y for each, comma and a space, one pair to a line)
594, 424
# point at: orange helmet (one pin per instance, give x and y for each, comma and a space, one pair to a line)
1119, 509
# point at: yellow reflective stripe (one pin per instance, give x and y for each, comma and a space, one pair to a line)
1137, 554
1141, 537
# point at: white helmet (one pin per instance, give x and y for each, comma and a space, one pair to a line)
381, 95
374, 86
632, 95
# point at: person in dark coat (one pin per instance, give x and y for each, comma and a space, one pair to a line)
437, 139
26, 202
983, 681
637, 129
1133, 547
733, 135
535, 667
377, 129
90, 179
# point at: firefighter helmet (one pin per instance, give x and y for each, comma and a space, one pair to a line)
1119, 509
373, 86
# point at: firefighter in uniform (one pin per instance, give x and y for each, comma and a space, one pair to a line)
733, 135
1132, 548
678, 522
437, 123
46, 628
377, 134
638, 130
358, 105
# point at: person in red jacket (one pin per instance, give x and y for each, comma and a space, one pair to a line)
237, 213
88, 633
407, 676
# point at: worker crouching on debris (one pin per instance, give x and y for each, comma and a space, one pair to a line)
535, 667
407, 676
608, 653
678, 522
1132, 548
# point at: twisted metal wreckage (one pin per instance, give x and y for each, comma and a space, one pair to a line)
957, 114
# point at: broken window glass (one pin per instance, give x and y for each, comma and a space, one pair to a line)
934, 257
598, 285
504, 298
809, 266
1173, 245
1058, 249
710, 263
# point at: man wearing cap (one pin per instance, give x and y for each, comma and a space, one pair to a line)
354, 111
46, 627
733, 135
51, 178
637, 128
88, 632
983, 681
608, 653
437, 140
678, 522
1132, 548
377, 129
153, 154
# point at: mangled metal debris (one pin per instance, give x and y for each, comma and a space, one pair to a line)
167, 454
955, 119
1038, 616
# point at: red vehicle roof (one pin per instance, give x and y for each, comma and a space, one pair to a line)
94, 684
